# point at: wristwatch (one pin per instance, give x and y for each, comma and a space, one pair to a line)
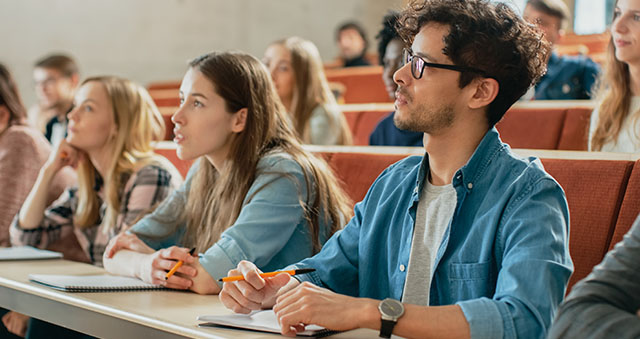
390, 311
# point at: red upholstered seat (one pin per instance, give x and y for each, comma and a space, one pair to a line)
575, 130
594, 190
532, 127
630, 206
357, 171
362, 84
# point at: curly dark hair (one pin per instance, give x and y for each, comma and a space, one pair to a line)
485, 36
387, 33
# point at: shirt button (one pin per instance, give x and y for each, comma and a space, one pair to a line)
415, 190
402, 268
470, 185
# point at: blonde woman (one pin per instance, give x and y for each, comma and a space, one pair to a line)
297, 72
120, 178
255, 193
615, 124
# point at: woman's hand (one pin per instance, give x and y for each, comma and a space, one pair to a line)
65, 155
154, 268
126, 241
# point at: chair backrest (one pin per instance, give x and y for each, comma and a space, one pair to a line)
630, 207
362, 84
532, 128
594, 190
362, 124
575, 130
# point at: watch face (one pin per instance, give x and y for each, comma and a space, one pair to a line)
391, 308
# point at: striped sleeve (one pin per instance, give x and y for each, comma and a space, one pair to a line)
57, 222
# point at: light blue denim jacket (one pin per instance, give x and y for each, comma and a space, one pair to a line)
504, 258
270, 231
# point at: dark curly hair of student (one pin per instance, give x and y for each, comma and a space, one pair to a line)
387, 33
489, 37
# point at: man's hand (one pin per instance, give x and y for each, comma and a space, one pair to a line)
16, 323
255, 292
309, 304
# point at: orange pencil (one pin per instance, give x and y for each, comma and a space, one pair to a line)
175, 267
270, 274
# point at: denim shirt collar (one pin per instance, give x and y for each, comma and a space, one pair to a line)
475, 167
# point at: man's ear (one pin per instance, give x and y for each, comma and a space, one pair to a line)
486, 90
239, 120
75, 80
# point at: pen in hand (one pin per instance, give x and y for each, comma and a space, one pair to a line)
175, 267
270, 274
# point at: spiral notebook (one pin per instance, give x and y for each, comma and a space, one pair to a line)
263, 321
93, 283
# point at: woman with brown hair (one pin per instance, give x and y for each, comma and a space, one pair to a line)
298, 74
615, 126
255, 193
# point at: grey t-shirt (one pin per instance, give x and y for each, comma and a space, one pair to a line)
435, 210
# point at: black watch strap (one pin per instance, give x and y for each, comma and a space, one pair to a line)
386, 328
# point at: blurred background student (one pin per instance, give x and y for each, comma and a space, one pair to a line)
56, 79
614, 123
352, 44
297, 72
390, 48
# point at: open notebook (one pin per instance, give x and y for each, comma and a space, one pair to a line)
27, 253
264, 321
93, 283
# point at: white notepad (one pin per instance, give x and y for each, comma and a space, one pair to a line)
27, 253
93, 283
264, 321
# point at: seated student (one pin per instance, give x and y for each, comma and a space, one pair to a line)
56, 78
255, 194
606, 304
615, 123
297, 72
471, 238
120, 178
390, 51
567, 77
352, 43
23, 150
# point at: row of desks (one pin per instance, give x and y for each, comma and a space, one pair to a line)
146, 314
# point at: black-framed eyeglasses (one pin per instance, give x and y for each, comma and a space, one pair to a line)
418, 64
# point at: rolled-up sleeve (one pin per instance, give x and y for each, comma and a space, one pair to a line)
536, 266
605, 303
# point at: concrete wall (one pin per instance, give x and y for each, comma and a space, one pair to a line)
151, 40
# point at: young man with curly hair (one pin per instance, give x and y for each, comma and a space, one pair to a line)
468, 240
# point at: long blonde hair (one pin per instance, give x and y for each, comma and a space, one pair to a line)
614, 95
311, 90
138, 123
216, 197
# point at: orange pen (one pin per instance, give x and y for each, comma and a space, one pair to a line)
270, 274
175, 267
64, 155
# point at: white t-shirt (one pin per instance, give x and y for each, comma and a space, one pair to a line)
628, 140
435, 210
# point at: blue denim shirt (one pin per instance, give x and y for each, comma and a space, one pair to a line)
504, 258
270, 231
567, 78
